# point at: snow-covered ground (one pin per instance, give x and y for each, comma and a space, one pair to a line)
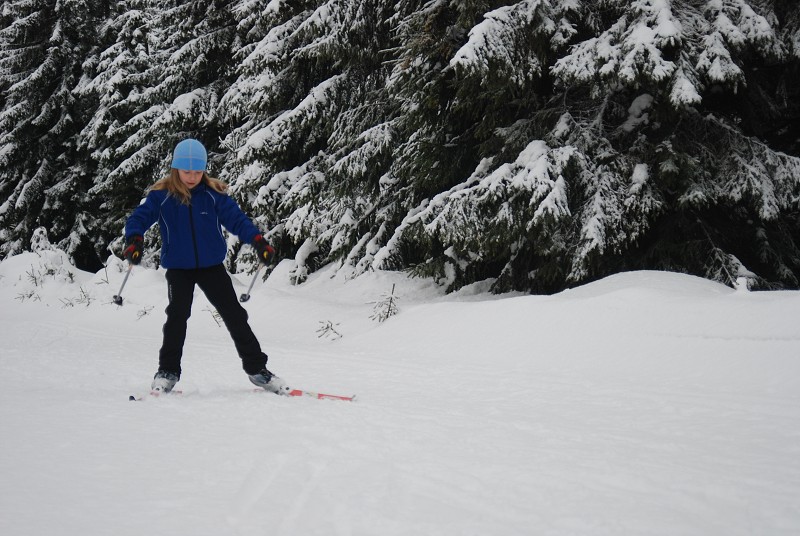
643, 404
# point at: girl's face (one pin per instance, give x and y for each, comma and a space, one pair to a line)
190, 178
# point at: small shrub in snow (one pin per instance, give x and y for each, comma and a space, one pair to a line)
386, 307
215, 315
84, 297
327, 329
34, 277
28, 295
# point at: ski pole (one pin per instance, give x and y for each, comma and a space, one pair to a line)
244, 297
118, 297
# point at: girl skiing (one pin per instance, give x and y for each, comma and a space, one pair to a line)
190, 208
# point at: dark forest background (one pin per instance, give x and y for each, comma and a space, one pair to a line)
540, 144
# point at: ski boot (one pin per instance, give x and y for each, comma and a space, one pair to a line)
164, 381
269, 382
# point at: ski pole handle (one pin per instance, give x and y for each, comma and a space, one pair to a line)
118, 297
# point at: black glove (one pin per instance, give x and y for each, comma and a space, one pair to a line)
134, 250
263, 249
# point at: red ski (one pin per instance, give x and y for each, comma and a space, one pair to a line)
320, 396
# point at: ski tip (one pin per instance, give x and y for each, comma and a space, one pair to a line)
319, 396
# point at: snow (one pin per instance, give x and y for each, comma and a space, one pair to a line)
639, 178
715, 61
683, 92
638, 112
276, 133
490, 39
646, 403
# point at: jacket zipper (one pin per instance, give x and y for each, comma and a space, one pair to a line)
194, 239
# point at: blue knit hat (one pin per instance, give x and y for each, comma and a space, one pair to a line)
189, 155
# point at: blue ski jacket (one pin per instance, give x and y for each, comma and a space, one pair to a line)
191, 235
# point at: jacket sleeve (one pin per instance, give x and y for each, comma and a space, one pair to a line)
234, 220
143, 217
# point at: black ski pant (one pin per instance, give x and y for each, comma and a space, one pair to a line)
217, 286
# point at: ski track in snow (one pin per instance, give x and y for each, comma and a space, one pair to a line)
645, 403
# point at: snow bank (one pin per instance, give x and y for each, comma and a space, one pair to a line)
647, 403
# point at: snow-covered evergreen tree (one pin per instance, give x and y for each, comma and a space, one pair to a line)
670, 64
113, 75
541, 143
312, 132
472, 88
647, 183
158, 82
42, 46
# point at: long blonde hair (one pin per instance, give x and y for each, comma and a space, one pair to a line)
172, 183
